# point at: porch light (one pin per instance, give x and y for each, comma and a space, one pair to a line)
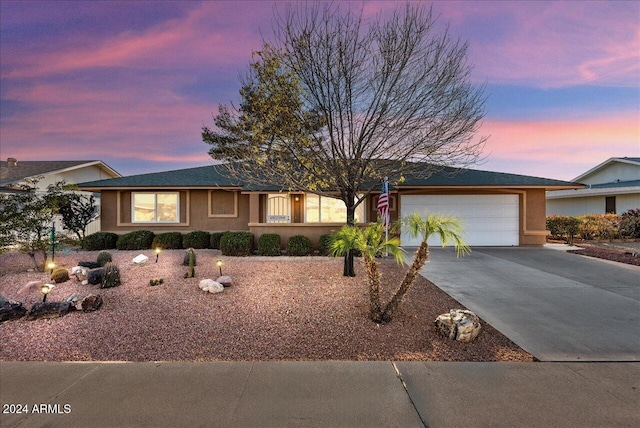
158, 249
219, 264
45, 289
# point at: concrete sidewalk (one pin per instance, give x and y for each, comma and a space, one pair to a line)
327, 394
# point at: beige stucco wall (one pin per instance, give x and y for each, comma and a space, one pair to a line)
533, 217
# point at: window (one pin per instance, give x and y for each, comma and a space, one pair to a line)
322, 209
155, 207
610, 205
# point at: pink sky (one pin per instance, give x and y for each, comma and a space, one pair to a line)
134, 85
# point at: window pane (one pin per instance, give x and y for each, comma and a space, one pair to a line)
167, 206
312, 211
144, 207
332, 210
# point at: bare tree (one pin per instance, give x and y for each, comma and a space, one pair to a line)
335, 103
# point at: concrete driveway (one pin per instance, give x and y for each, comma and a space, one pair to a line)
556, 306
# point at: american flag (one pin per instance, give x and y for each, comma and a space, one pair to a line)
383, 203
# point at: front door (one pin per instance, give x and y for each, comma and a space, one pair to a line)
298, 204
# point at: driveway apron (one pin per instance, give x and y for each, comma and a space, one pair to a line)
556, 306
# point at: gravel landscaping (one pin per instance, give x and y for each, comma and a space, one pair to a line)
279, 308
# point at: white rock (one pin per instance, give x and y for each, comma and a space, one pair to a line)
211, 286
85, 282
75, 269
140, 259
460, 325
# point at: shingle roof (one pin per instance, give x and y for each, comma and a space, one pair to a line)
10, 174
217, 176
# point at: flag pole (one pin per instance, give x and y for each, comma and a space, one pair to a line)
386, 223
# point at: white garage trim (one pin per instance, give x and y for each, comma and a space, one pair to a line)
487, 220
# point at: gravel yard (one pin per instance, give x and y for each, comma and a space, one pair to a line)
279, 308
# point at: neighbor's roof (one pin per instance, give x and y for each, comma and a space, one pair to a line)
24, 169
628, 160
606, 189
217, 176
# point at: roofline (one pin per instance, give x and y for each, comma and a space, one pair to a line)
99, 163
159, 187
584, 193
515, 186
607, 162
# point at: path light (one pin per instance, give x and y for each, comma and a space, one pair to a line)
158, 249
51, 266
219, 264
46, 288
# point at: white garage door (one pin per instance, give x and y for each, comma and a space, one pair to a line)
487, 220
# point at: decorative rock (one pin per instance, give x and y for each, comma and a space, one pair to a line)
460, 325
95, 276
140, 259
211, 286
11, 310
89, 265
48, 310
80, 273
73, 300
224, 280
91, 303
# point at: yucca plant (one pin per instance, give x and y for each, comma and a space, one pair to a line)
110, 276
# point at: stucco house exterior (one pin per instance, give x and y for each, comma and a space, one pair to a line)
14, 172
495, 208
610, 187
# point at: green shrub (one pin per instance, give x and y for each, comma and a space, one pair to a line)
197, 239
168, 241
563, 227
269, 244
599, 226
237, 243
60, 275
110, 276
630, 224
104, 257
324, 246
137, 240
187, 255
299, 245
100, 241
215, 240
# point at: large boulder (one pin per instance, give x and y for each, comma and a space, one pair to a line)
211, 286
89, 265
458, 324
48, 310
90, 303
11, 309
95, 276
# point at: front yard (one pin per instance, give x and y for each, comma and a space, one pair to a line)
279, 308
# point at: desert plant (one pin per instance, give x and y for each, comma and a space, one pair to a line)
60, 275
110, 276
269, 244
136, 240
630, 224
299, 245
156, 281
236, 243
104, 257
215, 240
192, 262
324, 244
167, 241
187, 256
100, 241
197, 239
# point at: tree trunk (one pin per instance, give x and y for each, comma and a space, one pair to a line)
32, 254
351, 221
422, 254
373, 273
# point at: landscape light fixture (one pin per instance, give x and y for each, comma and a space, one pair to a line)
45, 289
219, 264
158, 249
51, 266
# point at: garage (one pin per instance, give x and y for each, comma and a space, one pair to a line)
488, 220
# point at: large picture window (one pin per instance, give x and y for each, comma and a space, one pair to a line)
321, 209
155, 207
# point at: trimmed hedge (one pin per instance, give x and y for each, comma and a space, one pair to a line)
324, 246
563, 227
215, 240
100, 241
299, 245
236, 244
168, 241
136, 240
197, 239
269, 244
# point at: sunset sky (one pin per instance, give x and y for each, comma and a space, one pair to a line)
132, 83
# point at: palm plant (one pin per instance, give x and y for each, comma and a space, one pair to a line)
447, 228
371, 242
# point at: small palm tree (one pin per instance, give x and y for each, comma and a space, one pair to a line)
448, 229
371, 242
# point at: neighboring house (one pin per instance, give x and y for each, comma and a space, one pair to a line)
611, 187
14, 172
496, 208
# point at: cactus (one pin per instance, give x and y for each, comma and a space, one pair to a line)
104, 257
60, 275
192, 262
110, 276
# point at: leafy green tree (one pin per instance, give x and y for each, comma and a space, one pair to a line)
77, 210
336, 102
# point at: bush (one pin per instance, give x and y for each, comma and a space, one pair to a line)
187, 254
100, 241
215, 240
197, 239
299, 245
324, 246
60, 275
168, 241
563, 227
236, 243
269, 244
104, 257
630, 224
137, 240
599, 226
110, 276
